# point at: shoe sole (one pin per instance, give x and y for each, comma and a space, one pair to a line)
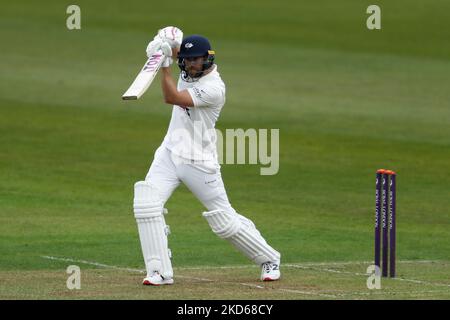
270, 279
148, 283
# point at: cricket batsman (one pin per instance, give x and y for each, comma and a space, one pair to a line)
188, 155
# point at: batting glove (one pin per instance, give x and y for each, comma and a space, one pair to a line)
167, 51
171, 35
153, 46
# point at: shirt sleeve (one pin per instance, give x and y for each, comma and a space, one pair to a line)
207, 96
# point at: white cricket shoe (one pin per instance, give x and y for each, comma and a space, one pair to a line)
270, 271
156, 280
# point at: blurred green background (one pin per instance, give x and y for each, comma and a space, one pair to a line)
347, 101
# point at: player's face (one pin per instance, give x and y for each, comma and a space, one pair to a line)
194, 65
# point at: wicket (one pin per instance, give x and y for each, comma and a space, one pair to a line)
385, 205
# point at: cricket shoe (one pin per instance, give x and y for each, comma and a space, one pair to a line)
156, 280
270, 271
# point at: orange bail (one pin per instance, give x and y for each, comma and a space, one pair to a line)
390, 172
381, 171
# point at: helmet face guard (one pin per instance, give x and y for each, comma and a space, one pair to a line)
208, 61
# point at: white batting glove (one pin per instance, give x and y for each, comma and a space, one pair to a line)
172, 35
153, 46
167, 62
167, 51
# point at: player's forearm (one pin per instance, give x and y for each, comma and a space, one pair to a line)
170, 92
168, 86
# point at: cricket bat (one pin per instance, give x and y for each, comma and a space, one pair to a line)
145, 77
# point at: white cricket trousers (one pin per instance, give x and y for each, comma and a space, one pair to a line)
205, 181
202, 178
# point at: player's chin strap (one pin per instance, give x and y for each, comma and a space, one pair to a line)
186, 77
153, 230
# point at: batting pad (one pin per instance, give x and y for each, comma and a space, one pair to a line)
242, 233
152, 228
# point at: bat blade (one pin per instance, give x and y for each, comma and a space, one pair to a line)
145, 77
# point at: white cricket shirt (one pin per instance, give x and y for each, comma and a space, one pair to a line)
191, 133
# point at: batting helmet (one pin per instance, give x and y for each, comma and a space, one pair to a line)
192, 47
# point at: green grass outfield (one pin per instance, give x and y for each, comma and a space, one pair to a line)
347, 101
